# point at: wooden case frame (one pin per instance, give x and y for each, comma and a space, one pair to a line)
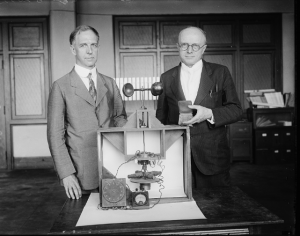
168, 134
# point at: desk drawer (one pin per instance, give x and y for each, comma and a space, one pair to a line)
274, 155
287, 155
241, 149
274, 138
267, 156
263, 139
288, 138
241, 130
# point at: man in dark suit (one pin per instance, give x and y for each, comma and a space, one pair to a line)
79, 103
211, 90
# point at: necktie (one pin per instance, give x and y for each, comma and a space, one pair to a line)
92, 89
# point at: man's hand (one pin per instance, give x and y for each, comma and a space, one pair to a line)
202, 114
72, 187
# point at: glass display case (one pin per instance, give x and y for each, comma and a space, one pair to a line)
271, 117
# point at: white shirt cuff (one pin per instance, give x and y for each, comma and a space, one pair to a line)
211, 120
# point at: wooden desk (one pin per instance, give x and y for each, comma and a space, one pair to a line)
226, 208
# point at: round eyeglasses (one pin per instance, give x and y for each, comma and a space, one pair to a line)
195, 47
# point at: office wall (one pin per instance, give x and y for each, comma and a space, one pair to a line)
62, 23
104, 25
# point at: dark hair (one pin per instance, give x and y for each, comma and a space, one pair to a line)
80, 29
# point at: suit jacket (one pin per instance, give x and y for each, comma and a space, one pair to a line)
73, 120
209, 145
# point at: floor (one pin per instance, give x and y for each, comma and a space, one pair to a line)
30, 200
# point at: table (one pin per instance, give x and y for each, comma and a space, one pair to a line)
228, 210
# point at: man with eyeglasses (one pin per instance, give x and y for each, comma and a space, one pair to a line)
210, 89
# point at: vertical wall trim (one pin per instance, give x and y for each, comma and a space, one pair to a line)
62, 23
288, 52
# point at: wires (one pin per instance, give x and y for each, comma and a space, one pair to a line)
131, 159
161, 187
160, 181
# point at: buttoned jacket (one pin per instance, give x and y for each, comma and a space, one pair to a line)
73, 121
209, 144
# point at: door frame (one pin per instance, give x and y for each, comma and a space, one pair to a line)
3, 156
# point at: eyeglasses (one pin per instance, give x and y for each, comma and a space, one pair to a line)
195, 47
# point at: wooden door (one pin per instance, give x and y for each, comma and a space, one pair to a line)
24, 74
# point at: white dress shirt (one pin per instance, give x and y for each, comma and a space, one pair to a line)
83, 74
190, 82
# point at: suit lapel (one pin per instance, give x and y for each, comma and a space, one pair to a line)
80, 89
206, 84
101, 88
176, 85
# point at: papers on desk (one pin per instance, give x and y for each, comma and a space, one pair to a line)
91, 215
267, 98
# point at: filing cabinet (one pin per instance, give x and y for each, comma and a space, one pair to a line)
240, 141
274, 138
274, 145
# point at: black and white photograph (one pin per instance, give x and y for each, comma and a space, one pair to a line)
154, 117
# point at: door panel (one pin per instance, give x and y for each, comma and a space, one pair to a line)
169, 60
26, 37
225, 59
258, 34
257, 71
27, 86
219, 34
169, 32
138, 65
137, 35
29, 141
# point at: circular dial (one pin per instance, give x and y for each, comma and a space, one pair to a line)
140, 199
114, 191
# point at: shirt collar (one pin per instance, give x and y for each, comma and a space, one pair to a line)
83, 72
197, 66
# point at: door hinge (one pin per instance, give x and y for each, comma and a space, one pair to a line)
4, 110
